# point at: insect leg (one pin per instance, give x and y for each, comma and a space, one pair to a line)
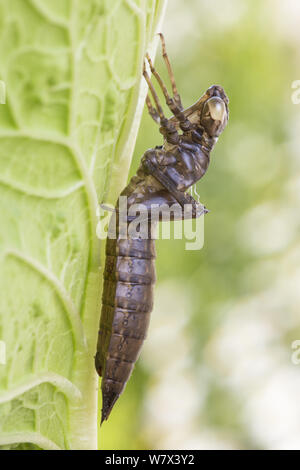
171, 102
154, 95
168, 129
152, 111
176, 95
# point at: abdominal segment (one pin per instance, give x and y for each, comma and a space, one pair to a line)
127, 302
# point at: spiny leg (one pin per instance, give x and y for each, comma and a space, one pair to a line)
174, 107
167, 128
169, 100
154, 95
152, 111
176, 95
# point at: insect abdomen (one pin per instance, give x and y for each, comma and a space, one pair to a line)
126, 306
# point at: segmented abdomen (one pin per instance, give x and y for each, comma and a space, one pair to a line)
127, 302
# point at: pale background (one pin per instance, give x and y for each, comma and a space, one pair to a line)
216, 371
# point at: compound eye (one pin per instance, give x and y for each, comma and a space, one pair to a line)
216, 108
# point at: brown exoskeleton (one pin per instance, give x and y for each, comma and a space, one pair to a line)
163, 178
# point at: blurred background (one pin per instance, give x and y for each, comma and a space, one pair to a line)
218, 370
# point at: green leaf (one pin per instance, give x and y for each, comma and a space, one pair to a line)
72, 72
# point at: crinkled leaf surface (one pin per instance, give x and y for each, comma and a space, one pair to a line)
72, 71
